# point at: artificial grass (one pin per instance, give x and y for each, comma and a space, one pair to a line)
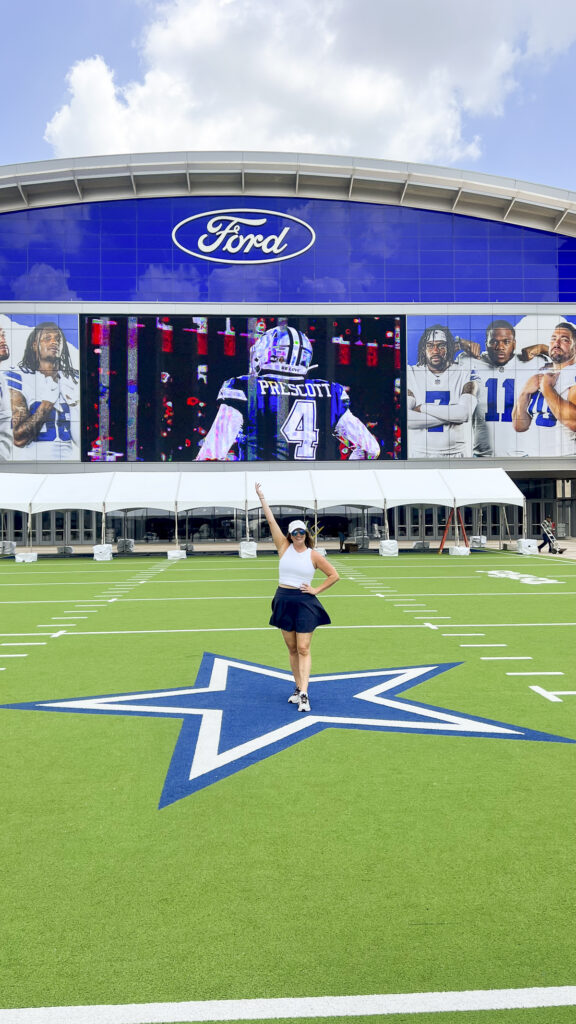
383, 862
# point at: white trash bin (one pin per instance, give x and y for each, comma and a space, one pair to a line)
248, 549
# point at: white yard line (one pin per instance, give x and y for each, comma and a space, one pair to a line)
506, 657
37, 643
256, 629
161, 600
258, 597
252, 629
303, 1008
534, 673
171, 582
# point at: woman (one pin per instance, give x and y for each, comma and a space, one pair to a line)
295, 608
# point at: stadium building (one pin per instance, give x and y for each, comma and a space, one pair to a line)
163, 312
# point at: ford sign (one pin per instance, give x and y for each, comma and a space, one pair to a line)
243, 236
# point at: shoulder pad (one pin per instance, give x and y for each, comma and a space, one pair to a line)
230, 390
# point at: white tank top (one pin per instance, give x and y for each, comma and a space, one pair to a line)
296, 568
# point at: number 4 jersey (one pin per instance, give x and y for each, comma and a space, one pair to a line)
286, 419
57, 440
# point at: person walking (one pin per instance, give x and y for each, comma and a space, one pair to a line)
547, 528
296, 611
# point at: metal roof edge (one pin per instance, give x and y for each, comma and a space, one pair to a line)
63, 182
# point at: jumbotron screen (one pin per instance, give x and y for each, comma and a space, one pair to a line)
241, 388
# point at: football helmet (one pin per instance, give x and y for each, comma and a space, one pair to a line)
281, 350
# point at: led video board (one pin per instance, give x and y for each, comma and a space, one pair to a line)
242, 388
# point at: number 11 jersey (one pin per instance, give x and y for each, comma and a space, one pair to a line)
494, 432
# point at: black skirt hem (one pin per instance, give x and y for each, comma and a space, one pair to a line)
294, 611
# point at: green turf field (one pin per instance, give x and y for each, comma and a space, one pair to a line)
354, 863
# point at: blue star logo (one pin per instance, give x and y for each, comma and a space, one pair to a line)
237, 714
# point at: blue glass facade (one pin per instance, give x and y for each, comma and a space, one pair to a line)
123, 251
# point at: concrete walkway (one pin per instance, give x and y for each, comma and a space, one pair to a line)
159, 549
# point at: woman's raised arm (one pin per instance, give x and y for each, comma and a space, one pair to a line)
277, 536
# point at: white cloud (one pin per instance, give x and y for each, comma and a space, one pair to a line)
43, 279
370, 78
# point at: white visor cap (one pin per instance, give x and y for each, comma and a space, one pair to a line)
297, 524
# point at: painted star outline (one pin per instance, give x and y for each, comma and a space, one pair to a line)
237, 714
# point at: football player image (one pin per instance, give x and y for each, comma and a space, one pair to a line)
275, 413
44, 395
5, 405
501, 373
441, 398
546, 405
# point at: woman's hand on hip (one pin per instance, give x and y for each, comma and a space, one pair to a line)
307, 589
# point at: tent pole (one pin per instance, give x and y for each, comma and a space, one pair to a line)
315, 519
246, 520
456, 534
103, 530
29, 527
385, 523
176, 523
525, 513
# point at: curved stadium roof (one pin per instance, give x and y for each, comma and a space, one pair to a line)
148, 175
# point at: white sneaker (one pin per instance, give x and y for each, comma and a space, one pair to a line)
294, 697
303, 703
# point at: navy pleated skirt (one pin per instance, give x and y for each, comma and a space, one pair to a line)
296, 611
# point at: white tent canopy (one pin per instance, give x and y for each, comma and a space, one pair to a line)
17, 490
476, 487
281, 488
211, 490
61, 491
142, 490
417, 487
377, 487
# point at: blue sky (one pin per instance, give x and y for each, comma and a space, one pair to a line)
427, 83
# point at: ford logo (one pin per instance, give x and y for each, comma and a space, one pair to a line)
243, 236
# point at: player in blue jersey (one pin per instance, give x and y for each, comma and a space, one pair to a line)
275, 413
44, 395
5, 406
